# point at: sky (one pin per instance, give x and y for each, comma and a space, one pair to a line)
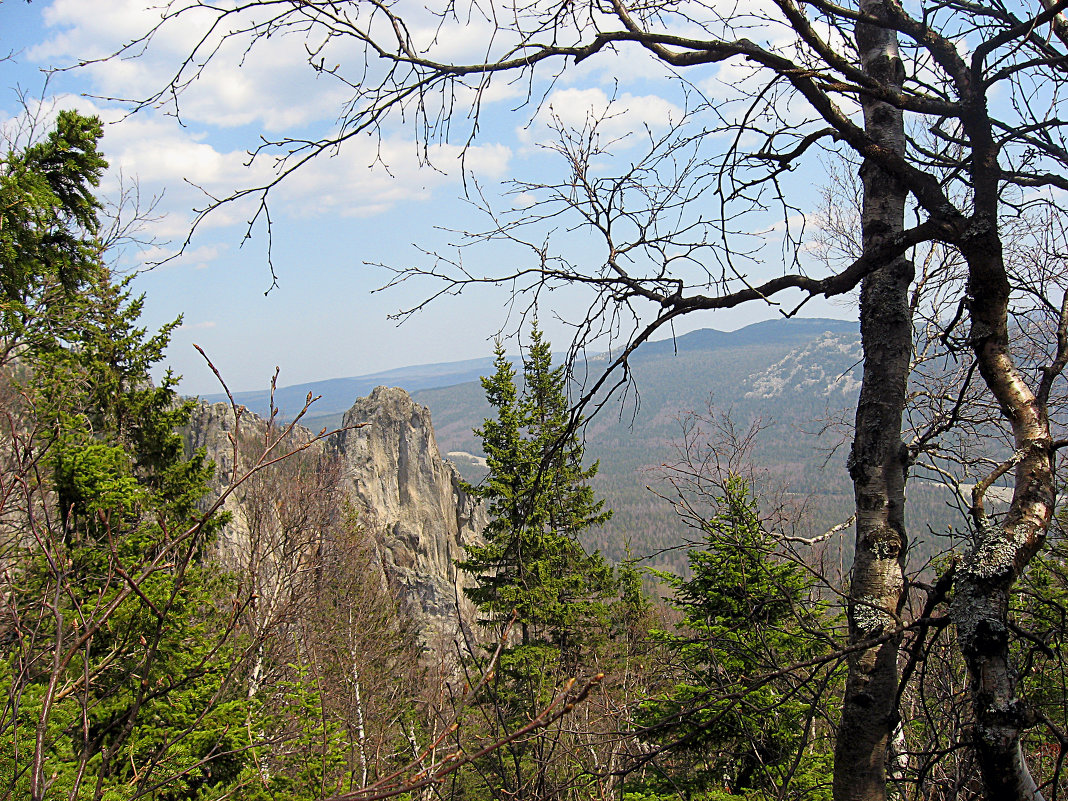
374, 202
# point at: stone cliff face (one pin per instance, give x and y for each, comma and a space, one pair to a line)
411, 498
409, 502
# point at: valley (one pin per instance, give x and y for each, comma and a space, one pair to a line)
793, 379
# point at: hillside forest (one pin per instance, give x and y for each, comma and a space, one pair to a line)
142, 659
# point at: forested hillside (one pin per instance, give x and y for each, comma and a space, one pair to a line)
180, 627
795, 378
798, 378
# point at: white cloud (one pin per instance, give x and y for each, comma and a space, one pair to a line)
185, 169
473, 41
793, 223
270, 85
365, 180
165, 257
267, 82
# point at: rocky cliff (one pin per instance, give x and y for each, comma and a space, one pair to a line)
411, 498
383, 469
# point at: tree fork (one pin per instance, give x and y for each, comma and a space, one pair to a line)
1001, 551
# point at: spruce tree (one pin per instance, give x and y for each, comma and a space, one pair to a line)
48, 232
498, 565
118, 675
577, 581
539, 501
746, 613
532, 564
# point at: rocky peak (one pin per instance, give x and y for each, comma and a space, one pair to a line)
412, 499
409, 502
827, 366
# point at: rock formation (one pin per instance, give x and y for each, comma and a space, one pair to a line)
408, 501
412, 499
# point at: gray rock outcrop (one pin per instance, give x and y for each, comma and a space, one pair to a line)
411, 498
409, 502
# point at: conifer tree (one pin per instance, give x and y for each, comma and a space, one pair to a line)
48, 231
117, 677
532, 564
499, 565
745, 613
579, 581
539, 502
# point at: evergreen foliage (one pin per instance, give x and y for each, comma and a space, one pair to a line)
1040, 607
532, 566
48, 230
539, 502
118, 677
745, 615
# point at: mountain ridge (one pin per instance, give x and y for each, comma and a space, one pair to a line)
795, 379
337, 394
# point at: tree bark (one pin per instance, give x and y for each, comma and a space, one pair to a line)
878, 463
1002, 551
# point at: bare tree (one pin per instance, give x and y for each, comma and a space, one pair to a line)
323, 624
982, 80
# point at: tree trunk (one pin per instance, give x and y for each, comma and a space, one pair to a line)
878, 462
361, 731
1001, 552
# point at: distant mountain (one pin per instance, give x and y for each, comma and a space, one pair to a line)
824, 367
789, 374
337, 394
769, 332
800, 382
799, 378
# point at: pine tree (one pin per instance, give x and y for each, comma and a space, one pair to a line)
48, 232
532, 564
539, 502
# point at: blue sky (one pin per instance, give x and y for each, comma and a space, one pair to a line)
371, 203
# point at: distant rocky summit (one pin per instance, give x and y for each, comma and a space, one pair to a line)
409, 504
